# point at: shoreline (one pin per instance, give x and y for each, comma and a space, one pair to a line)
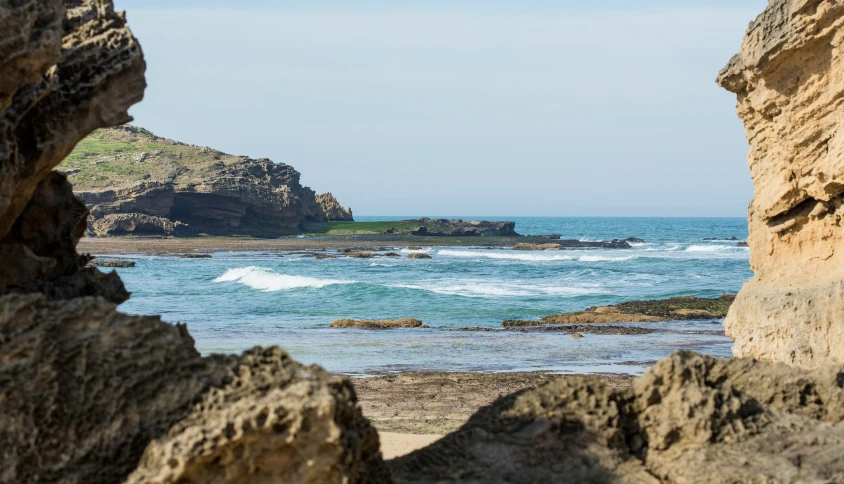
413, 409
178, 245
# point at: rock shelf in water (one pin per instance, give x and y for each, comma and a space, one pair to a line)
377, 324
672, 309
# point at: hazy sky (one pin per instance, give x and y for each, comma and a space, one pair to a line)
605, 107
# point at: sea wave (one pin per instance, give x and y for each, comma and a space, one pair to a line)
510, 255
716, 248
268, 280
536, 256
494, 288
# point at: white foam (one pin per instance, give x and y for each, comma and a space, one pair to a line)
716, 248
494, 289
600, 258
509, 255
270, 281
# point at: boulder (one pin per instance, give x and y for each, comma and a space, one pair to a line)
786, 80
137, 224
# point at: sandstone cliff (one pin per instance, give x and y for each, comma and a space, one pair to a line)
137, 183
788, 80
88, 394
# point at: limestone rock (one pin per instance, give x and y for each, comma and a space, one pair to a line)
39, 251
181, 190
787, 78
462, 228
137, 224
67, 68
84, 390
690, 418
332, 210
273, 420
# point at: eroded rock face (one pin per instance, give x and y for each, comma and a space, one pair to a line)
84, 389
690, 418
788, 80
141, 184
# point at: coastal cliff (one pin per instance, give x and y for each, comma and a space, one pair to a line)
788, 81
89, 394
135, 182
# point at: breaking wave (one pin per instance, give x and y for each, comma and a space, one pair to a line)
270, 281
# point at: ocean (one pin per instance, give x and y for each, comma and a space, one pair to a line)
237, 300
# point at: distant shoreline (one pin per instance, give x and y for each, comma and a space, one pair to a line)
177, 245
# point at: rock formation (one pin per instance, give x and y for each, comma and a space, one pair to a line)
787, 78
378, 324
137, 183
462, 228
88, 394
690, 418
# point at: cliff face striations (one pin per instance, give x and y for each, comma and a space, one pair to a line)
137, 183
789, 80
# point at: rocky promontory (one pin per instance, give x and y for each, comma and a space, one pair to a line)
137, 183
462, 228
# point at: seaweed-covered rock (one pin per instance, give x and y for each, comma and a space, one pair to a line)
419, 255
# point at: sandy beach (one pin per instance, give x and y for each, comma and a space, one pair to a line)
413, 409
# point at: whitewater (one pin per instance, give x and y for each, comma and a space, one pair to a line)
237, 300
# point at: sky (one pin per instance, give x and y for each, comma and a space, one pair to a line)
462, 107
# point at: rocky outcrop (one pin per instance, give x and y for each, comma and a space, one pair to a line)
331, 209
650, 311
462, 228
92, 395
787, 78
137, 224
137, 183
377, 324
88, 394
690, 418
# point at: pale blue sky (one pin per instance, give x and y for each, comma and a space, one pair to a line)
600, 108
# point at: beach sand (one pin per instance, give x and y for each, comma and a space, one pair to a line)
413, 409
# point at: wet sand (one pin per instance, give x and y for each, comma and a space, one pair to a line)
152, 245
413, 409
436, 403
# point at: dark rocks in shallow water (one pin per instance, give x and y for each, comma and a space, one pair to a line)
390, 254
112, 263
324, 256
419, 255
463, 228
195, 256
715, 239
742, 244
634, 240
377, 324
360, 255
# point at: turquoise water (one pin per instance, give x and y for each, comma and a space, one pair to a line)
237, 300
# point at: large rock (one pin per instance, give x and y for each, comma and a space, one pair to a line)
66, 69
788, 80
138, 183
691, 418
88, 394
